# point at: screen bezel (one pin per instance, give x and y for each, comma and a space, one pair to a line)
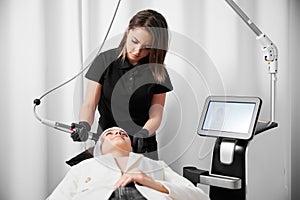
230, 99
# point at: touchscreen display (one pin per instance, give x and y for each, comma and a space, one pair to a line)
229, 116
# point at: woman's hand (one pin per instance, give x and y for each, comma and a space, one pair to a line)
136, 175
139, 143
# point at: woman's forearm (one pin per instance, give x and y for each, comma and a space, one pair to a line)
87, 113
92, 97
155, 113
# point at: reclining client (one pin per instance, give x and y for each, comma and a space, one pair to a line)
115, 172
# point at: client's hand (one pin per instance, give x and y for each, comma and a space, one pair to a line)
137, 176
80, 131
139, 143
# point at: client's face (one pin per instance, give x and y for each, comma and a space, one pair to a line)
115, 139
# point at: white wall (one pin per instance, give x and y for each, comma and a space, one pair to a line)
23, 144
39, 49
212, 52
63, 61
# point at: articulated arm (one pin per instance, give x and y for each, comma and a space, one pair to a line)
268, 47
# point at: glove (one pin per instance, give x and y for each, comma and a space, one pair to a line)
80, 131
139, 144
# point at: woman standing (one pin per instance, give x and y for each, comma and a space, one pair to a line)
128, 84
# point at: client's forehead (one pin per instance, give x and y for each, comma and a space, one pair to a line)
114, 129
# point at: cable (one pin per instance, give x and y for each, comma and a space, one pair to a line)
80, 72
37, 102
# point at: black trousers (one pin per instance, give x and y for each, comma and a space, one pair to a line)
129, 192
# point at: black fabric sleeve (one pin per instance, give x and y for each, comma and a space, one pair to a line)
165, 86
100, 64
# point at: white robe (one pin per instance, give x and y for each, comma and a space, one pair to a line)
94, 179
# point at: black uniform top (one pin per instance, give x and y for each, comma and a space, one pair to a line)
127, 90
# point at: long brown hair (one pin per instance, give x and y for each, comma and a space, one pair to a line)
157, 26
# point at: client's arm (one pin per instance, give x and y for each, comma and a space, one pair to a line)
141, 178
180, 187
